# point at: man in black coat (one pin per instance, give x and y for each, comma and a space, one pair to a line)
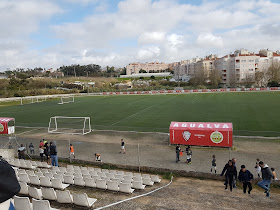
267, 176
230, 174
245, 177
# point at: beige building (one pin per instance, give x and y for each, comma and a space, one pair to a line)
235, 68
155, 67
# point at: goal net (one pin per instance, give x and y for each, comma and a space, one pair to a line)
66, 99
69, 125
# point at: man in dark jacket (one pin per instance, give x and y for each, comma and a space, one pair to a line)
267, 176
53, 153
178, 150
230, 174
9, 185
245, 177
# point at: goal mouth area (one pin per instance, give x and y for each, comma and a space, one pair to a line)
66, 100
69, 125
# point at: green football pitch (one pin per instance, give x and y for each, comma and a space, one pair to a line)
252, 114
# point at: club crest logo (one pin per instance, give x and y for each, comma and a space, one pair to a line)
186, 135
216, 137
1, 128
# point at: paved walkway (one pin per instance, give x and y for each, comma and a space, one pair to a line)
154, 150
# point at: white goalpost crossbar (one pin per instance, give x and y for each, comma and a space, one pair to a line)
69, 125
67, 99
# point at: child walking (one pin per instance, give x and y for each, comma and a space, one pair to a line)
214, 164
189, 155
245, 176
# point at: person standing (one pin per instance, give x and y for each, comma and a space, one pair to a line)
178, 150
258, 168
245, 176
189, 155
235, 177
214, 165
230, 172
47, 152
53, 153
41, 152
31, 148
122, 147
21, 152
72, 154
274, 174
41, 143
266, 176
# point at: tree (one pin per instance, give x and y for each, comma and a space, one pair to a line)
260, 79
152, 77
273, 71
142, 71
123, 72
199, 78
215, 77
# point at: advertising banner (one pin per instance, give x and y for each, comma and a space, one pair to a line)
201, 133
4, 128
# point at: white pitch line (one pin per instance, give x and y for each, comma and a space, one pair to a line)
141, 111
138, 196
28, 131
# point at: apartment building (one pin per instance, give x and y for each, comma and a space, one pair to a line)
238, 67
154, 67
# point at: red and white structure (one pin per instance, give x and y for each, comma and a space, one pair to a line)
201, 133
7, 125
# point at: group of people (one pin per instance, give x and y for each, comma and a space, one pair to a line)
49, 151
246, 177
179, 153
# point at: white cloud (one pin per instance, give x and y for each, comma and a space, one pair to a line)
208, 40
138, 30
148, 53
151, 37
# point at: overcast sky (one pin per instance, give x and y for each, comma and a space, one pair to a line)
51, 33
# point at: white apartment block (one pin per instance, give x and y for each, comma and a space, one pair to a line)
239, 67
154, 67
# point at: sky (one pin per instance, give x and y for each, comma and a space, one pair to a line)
52, 33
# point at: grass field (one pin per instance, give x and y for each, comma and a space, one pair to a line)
253, 114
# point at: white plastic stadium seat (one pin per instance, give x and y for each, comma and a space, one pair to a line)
57, 183
45, 165
138, 179
23, 178
58, 176
128, 173
85, 172
119, 176
68, 179
113, 171
101, 174
50, 175
113, 185
30, 172
83, 200
127, 177
34, 179
64, 196
137, 175
45, 181
35, 193
138, 185
41, 205
93, 173
97, 169
110, 175
105, 170
126, 188
21, 171
101, 184
127, 182
48, 193
83, 168
79, 181
86, 176
23, 188
148, 181
39, 164
39, 173
117, 180
89, 182
155, 178
22, 203
29, 165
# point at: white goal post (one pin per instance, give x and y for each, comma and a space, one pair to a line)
69, 125
67, 99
